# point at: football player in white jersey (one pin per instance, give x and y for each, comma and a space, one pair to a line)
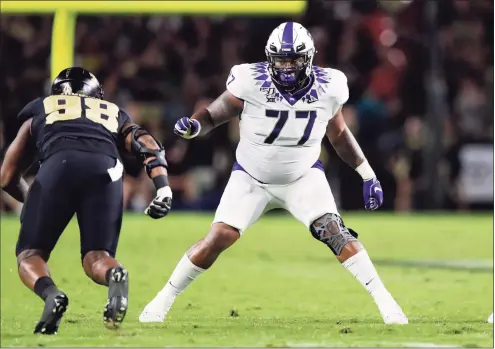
286, 106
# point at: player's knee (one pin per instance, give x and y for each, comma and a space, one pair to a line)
330, 230
92, 259
26, 254
221, 236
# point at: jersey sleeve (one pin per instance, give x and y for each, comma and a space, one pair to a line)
30, 110
340, 90
123, 118
234, 82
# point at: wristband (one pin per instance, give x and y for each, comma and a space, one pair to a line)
365, 171
164, 192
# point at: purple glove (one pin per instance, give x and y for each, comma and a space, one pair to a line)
187, 128
373, 194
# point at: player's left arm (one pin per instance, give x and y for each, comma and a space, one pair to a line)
144, 146
350, 152
12, 166
344, 142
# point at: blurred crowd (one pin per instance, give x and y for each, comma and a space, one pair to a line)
161, 68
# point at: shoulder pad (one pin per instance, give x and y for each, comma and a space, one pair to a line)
30, 110
334, 82
245, 79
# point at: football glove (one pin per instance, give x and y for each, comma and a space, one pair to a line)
373, 194
161, 204
187, 128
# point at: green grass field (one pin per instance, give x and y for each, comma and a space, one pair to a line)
286, 288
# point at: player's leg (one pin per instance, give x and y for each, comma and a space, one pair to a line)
46, 213
100, 219
311, 201
242, 203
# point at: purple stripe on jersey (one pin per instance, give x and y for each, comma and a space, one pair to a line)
288, 37
319, 165
238, 167
293, 98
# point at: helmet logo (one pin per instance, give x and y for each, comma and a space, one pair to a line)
67, 89
300, 47
67, 72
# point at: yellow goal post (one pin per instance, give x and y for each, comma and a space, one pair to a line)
65, 13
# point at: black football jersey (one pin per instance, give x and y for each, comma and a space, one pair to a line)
74, 122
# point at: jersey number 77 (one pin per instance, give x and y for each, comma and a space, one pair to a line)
283, 116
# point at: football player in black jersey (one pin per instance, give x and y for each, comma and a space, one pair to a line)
78, 138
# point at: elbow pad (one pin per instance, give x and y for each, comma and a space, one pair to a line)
139, 150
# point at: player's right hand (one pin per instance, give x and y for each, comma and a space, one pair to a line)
161, 204
187, 128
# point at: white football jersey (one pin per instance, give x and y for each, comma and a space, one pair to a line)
280, 133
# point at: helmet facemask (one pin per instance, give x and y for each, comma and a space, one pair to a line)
289, 70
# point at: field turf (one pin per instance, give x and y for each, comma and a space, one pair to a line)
276, 287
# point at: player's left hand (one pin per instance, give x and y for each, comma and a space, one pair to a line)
373, 194
161, 204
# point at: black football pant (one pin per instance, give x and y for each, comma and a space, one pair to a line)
73, 182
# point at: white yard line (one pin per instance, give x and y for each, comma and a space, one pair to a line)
370, 344
481, 265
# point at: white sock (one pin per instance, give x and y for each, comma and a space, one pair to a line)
185, 272
361, 267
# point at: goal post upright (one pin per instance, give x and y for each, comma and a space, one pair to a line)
65, 14
63, 33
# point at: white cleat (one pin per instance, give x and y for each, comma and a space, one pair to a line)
490, 319
156, 310
396, 319
148, 316
392, 313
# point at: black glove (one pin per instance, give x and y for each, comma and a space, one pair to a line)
161, 204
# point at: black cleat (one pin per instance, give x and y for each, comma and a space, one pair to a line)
118, 291
55, 307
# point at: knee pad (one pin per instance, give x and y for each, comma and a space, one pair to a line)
330, 230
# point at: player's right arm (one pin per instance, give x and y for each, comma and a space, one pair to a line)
144, 146
10, 177
226, 107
